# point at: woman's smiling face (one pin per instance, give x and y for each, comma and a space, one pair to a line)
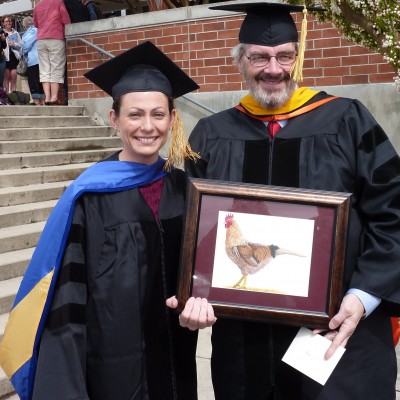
143, 123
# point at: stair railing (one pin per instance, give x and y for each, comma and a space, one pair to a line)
102, 51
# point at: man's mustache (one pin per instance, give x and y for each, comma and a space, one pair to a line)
267, 77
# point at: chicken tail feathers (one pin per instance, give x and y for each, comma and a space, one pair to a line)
277, 251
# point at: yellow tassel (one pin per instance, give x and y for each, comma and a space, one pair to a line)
179, 147
296, 72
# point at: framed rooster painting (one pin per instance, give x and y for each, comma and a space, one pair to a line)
264, 253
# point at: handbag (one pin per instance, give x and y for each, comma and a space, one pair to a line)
22, 67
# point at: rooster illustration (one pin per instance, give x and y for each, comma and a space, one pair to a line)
249, 257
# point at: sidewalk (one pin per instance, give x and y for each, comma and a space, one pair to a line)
203, 367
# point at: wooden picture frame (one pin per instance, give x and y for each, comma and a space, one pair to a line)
233, 229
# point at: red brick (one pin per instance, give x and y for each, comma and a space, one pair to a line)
354, 80
328, 81
114, 48
214, 44
385, 68
234, 78
327, 43
81, 65
381, 78
171, 31
227, 34
376, 58
357, 50
135, 36
230, 87
337, 71
195, 28
204, 36
196, 45
211, 53
215, 79
313, 53
212, 87
355, 60
208, 71
363, 69
328, 62
235, 24
166, 40
335, 52
330, 33
308, 63
173, 48
313, 72
217, 25
228, 69
214, 61
197, 63
314, 35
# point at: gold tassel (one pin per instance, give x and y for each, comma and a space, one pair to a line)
179, 147
296, 72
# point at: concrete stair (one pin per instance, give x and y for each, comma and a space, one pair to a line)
42, 150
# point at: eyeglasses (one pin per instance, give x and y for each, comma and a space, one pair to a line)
7, 20
261, 60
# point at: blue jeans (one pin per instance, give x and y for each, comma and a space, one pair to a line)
2, 69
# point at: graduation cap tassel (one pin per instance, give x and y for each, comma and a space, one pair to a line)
179, 148
296, 71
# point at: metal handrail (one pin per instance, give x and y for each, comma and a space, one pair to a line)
100, 50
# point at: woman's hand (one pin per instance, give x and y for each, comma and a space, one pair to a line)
197, 314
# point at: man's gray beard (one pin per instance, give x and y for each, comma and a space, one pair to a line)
271, 99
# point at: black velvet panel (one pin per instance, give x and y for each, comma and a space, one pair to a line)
386, 172
255, 164
285, 163
67, 314
72, 272
372, 139
76, 234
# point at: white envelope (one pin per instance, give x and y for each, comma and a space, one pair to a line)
306, 354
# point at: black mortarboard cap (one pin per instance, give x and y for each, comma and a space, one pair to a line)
144, 68
266, 24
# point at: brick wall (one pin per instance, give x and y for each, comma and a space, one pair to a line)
202, 48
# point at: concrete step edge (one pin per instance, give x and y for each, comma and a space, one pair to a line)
34, 187
19, 208
16, 256
19, 230
44, 169
62, 140
9, 287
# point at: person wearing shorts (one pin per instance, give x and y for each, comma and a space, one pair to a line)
50, 18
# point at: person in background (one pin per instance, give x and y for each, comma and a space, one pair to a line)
12, 53
93, 10
109, 333
50, 18
29, 51
77, 11
3, 45
285, 135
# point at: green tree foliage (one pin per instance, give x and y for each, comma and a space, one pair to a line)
373, 24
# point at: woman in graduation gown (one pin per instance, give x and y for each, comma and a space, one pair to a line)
109, 334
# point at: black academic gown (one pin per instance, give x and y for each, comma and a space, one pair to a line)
109, 335
336, 147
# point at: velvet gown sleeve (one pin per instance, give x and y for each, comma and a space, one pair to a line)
61, 370
376, 200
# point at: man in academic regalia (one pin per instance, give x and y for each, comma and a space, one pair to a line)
284, 135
